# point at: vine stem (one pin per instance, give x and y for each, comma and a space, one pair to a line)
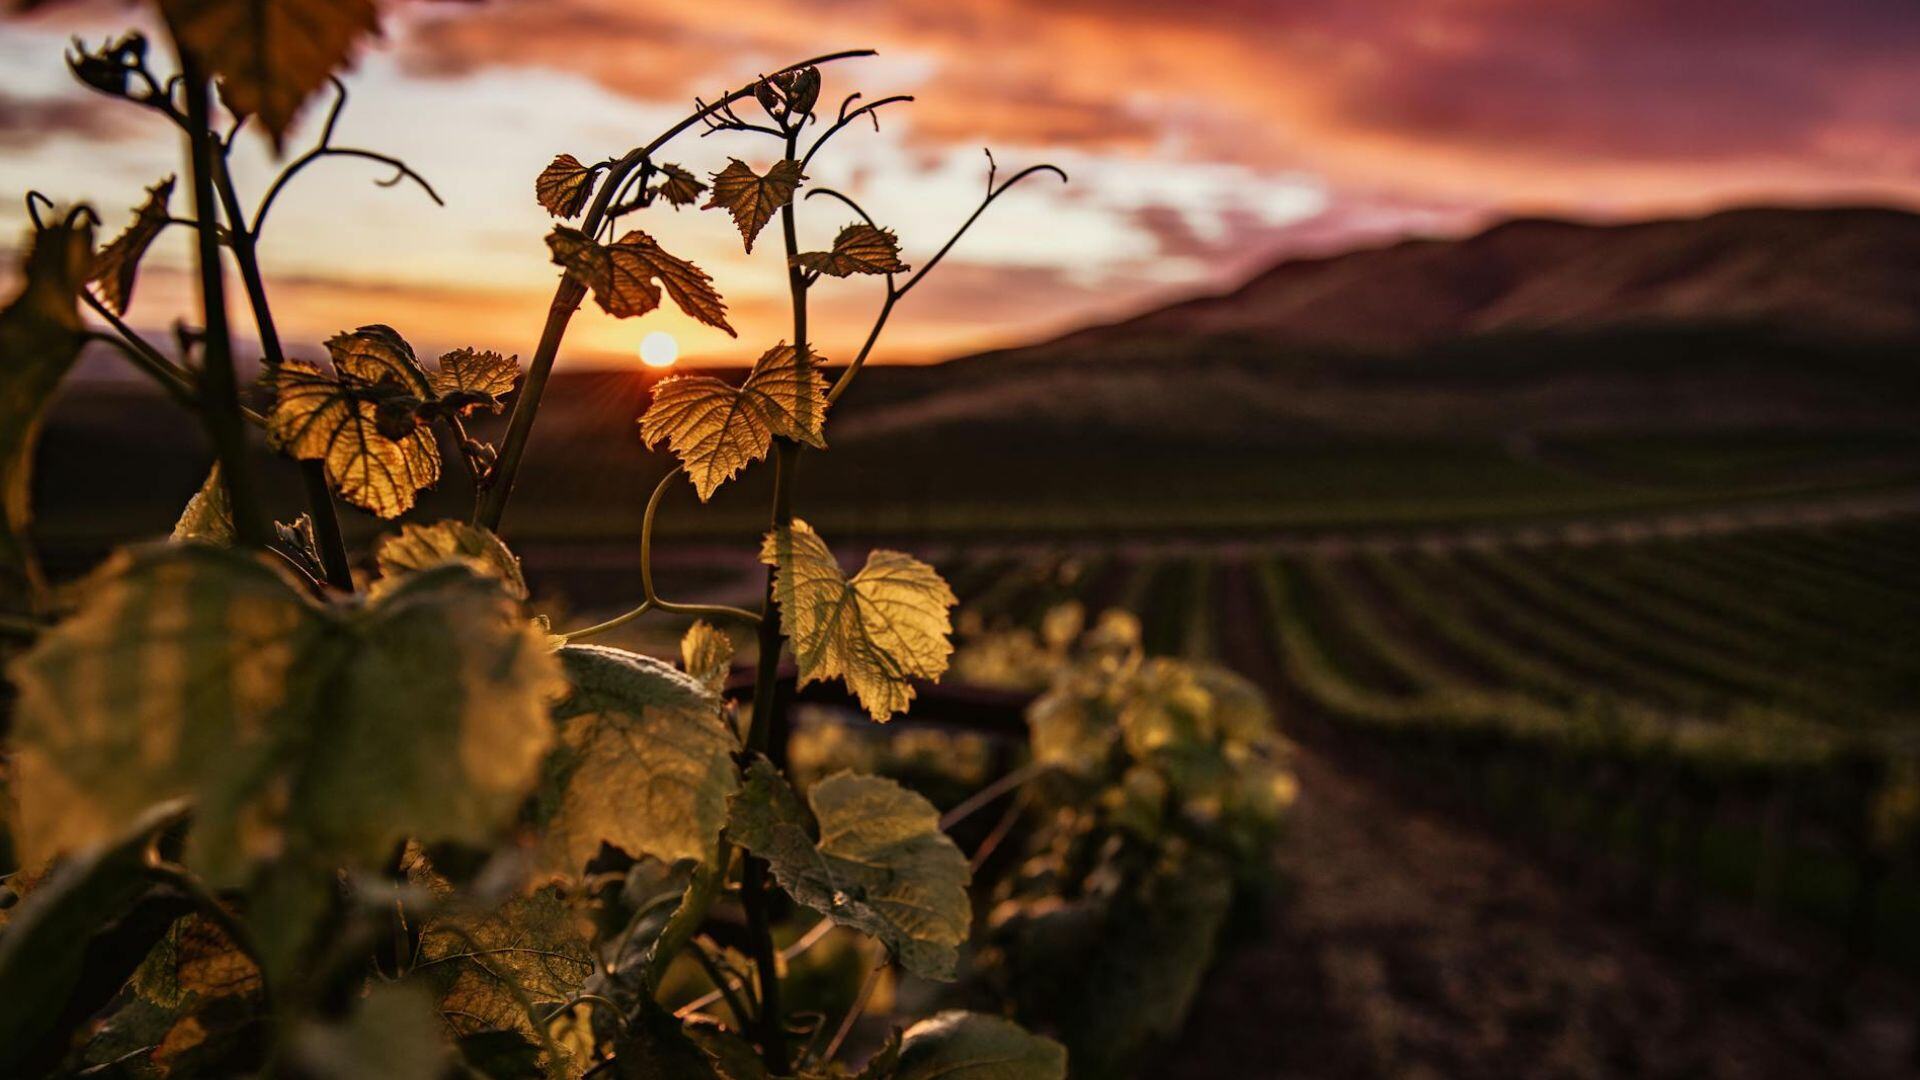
492, 505
219, 387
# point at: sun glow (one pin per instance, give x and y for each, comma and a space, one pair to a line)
659, 349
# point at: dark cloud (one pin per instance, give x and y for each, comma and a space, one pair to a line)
29, 122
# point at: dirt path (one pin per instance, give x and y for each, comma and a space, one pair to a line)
1411, 944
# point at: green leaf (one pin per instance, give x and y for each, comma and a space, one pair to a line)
271, 55
717, 429
208, 515
421, 547
880, 629
40, 337
974, 1046
44, 948
117, 264
751, 198
859, 249
880, 863
644, 762
202, 672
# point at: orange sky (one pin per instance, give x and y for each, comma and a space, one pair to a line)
1205, 138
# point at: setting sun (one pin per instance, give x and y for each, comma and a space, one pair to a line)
659, 349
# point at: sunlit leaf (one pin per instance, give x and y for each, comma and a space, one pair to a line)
623, 276
208, 515
419, 547
564, 186
706, 653
40, 337
751, 198
974, 1046
467, 379
644, 761
202, 672
376, 354
678, 186
271, 55
717, 429
880, 629
339, 421
116, 265
878, 861
859, 249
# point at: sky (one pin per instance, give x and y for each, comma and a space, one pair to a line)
1205, 139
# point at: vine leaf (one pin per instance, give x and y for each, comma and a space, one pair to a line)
869, 856
957, 1045
706, 653
468, 379
208, 515
644, 762
564, 186
40, 337
203, 672
421, 547
622, 275
116, 265
880, 629
717, 429
377, 455
270, 55
751, 198
859, 249
678, 186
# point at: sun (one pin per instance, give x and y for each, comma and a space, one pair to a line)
659, 350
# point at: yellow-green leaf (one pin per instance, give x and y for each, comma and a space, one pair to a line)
467, 379
878, 861
271, 55
206, 673
678, 186
879, 630
564, 186
208, 515
644, 761
751, 198
336, 421
859, 249
958, 1045
420, 547
717, 429
116, 265
40, 337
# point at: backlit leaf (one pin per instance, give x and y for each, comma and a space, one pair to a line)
622, 275
564, 186
338, 420
880, 629
706, 654
717, 429
271, 55
419, 547
878, 862
202, 672
40, 336
115, 266
859, 249
467, 379
678, 186
644, 761
377, 354
208, 515
975, 1046
751, 198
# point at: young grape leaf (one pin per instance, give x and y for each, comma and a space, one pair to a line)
418, 547
116, 265
644, 762
40, 337
880, 863
678, 186
716, 429
467, 379
208, 516
877, 631
622, 275
376, 354
377, 458
859, 249
270, 55
203, 672
564, 186
751, 198
706, 654
957, 1045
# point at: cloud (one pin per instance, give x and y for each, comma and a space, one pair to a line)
28, 122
